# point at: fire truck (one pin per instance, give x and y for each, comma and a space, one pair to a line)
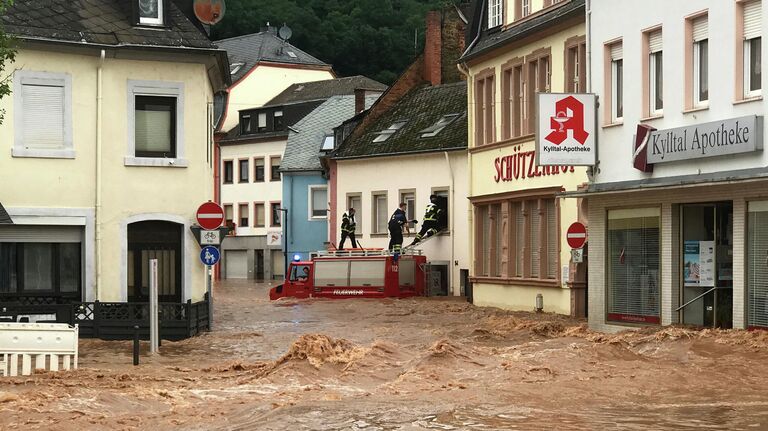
355, 273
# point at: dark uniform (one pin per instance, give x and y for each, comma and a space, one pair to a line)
396, 223
348, 225
431, 225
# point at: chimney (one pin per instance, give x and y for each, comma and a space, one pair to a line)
269, 29
433, 48
359, 100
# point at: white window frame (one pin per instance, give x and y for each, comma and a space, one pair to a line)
154, 21
654, 110
310, 202
697, 101
375, 212
495, 13
25, 77
525, 8
616, 90
162, 89
747, 75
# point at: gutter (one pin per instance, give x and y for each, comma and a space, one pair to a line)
406, 153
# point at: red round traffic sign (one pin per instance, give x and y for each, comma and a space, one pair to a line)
210, 216
577, 235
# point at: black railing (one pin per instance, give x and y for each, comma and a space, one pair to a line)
116, 320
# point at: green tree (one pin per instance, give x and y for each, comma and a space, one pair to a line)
376, 38
7, 55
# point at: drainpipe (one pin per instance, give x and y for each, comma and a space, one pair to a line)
464, 69
99, 120
453, 221
589, 45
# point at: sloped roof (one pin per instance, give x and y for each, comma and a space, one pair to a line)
421, 108
4, 217
251, 49
318, 90
302, 152
102, 22
495, 38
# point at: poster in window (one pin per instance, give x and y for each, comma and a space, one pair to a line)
691, 263
707, 263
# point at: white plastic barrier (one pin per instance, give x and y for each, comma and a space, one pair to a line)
53, 346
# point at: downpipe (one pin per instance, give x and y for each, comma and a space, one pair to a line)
452, 215
99, 143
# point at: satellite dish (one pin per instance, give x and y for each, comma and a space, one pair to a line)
285, 32
209, 11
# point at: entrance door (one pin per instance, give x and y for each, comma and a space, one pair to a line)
154, 240
707, 265
236, 263
259, 264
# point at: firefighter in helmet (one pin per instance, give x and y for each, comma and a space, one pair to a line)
397, 222
348, 225
431, 217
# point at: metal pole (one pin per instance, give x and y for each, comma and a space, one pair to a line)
153, 315
285, 241
209, 289
136, 345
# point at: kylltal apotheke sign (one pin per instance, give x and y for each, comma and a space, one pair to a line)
565, 129
718, 138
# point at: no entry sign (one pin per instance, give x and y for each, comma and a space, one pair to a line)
210, 216
577, 235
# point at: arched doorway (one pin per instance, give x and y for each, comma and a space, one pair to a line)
159, 240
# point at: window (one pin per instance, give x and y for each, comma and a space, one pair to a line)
150, 12
518, 238
409, 198
538, 82
245, 124
522, 8
485, 91
235, 67
752, 65
442, 123
228, 174
655, 73
274, 168
329, 143
518, 102
615, 85
700, 61
229, 220
244, 211
389, 131
380, 213
633, 265
757, 271
318, 202
244, 171
259, 219
262, 126
356, 202
156, 126
36, 268
43, 115
276, 214
495, 13
576, 65
258, 169
277, 121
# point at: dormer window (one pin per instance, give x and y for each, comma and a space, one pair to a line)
150, 12
278, 121
245, 124
235, 67
438, 127
495, 13
389, 131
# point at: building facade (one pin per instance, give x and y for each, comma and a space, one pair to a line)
518, 219
677, 208
107, 151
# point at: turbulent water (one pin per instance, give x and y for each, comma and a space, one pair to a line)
417, 364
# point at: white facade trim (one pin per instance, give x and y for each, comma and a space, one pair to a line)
26, 77
155, 88
67, 217
186, 265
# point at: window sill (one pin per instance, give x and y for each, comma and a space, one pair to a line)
42, 154
616, 124
532, 282
696, 109
379, 235
651, 118
748, 100
156, 162
318, 219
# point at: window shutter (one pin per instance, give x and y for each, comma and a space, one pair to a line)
262, 120
534, 219
29, 233
43, 116
153, 130
552, 249
517, 208
617, 51
654, 41
753, 19
700, 29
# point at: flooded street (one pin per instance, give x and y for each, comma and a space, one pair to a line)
401, 365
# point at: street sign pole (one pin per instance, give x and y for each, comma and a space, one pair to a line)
153, 309
209, 289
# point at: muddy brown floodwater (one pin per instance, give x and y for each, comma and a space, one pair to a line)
415, 364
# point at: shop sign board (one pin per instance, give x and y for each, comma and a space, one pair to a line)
718, 138
274, 238
566, 131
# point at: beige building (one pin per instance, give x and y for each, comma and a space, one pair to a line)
518, 220
107, 152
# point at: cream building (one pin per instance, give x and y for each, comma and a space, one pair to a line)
106, 152
518, 220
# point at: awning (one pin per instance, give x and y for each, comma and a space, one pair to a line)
717, 178
4, 217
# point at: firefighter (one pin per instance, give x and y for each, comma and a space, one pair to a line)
431, 217
398, 220
348, 225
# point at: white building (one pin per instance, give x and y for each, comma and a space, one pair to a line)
677, 222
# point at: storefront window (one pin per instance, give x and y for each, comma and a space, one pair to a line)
633, 265
40, 268
757, 270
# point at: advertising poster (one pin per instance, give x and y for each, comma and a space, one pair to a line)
707, 263
691, 263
